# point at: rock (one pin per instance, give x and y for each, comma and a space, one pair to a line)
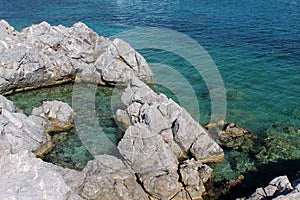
23, 176
193, 175
278, 188
108, 178
152, 159
20, 132
58, 115
164, 117
230, 135
281, 142
160, 134
42, 55
74, 179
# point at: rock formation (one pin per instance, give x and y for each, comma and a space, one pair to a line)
279, 188
160, 134
230, 135
42, 55
20, 132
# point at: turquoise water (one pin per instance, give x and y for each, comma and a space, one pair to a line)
254, 43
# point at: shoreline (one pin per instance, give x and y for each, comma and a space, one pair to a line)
184, 149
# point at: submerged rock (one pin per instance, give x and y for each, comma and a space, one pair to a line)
42, 55
281, 142
231, 135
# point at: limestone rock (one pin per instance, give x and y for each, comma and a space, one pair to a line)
23, 176
278, 188
20, 132
164, 117
108, 178
42, 55
58, 115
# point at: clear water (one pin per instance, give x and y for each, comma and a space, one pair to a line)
254, 43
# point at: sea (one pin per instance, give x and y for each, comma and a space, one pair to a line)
252, 45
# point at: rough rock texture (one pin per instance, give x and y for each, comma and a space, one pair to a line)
108, 178
231, 135
23, 176
160, 134
162, 116
43, 55
59, 115
20, 132
278, 188
193, 175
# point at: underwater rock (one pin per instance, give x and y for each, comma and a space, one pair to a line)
108, 178
281, 142
23, 176
42, 55
21, 132
59, 115
278, 188
231, 135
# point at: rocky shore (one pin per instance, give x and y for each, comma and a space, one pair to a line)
164, 152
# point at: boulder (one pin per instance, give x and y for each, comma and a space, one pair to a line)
278, 188
21, 132
23, 176
42, 55
152, 159
58, 115
159, 135
162, 116
108, 178
230, 135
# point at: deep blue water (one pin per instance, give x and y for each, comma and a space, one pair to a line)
254, 43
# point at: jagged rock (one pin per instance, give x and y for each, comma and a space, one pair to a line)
159, 135
193, 175
231, 135
74, 179
152, 159
163, 116
278, 188
108, 178
23, 176
58, 115
42, 55
20, 132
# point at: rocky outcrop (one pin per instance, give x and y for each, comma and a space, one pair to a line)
163, 117
58, 115
159, 135
230, 135
20, 132
42, 55
279, 188
23, 176
108, 178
